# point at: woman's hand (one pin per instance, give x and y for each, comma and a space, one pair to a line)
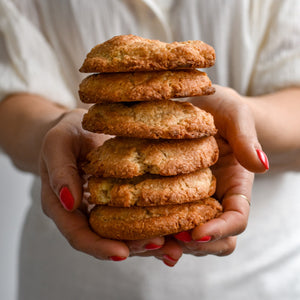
218, 236
64, 146
234, 184
240, 153
236, 124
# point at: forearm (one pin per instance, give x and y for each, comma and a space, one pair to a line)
24, 121
277, 119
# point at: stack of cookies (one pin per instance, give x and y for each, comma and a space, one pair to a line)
153, 178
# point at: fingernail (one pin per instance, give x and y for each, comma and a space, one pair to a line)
263, 158
204, 239
117, 258
152, 246
168, 264
183, 236
66, 198
169, 261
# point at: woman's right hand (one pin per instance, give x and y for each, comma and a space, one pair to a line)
62, 192
64, 201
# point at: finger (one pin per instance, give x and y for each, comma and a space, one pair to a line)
234, 120
232, 222
141, 246
242, 137
60, 157
221, 247
170, 253
74, 226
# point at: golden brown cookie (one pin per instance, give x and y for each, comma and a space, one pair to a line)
146, 222
144, 86
153, 119
128, 53
151, 190
129, 157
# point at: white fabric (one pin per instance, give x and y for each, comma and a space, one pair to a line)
27, 61
258, 51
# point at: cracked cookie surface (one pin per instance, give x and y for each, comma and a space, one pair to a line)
152, 190
127, 53
151, 119
129, 157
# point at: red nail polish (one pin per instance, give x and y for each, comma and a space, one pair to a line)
117, 258
169, 261
168, 264
152, 246
66, 198
168, 257
263, 158
183, 236
205, 239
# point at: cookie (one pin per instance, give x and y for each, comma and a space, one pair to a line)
146, 222
129, 157
151, 190
130, 53
144, 86
153, 120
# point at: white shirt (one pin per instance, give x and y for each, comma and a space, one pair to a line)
43, 44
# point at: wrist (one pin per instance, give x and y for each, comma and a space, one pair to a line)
24, 121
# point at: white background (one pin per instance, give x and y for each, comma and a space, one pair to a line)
15, 199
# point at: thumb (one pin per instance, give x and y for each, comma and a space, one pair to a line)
61, 164
236, 124
241, 134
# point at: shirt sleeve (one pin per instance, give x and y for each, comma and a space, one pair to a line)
27, 61
278, 63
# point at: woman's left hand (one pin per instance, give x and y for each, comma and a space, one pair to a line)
234, 184
240, 157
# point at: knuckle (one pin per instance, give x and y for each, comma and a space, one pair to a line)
135, 247
227, 252
242, 225
218, 234
197, 249
200, 254
57, 178
229, 246
229, 90
50, 139
191, 246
